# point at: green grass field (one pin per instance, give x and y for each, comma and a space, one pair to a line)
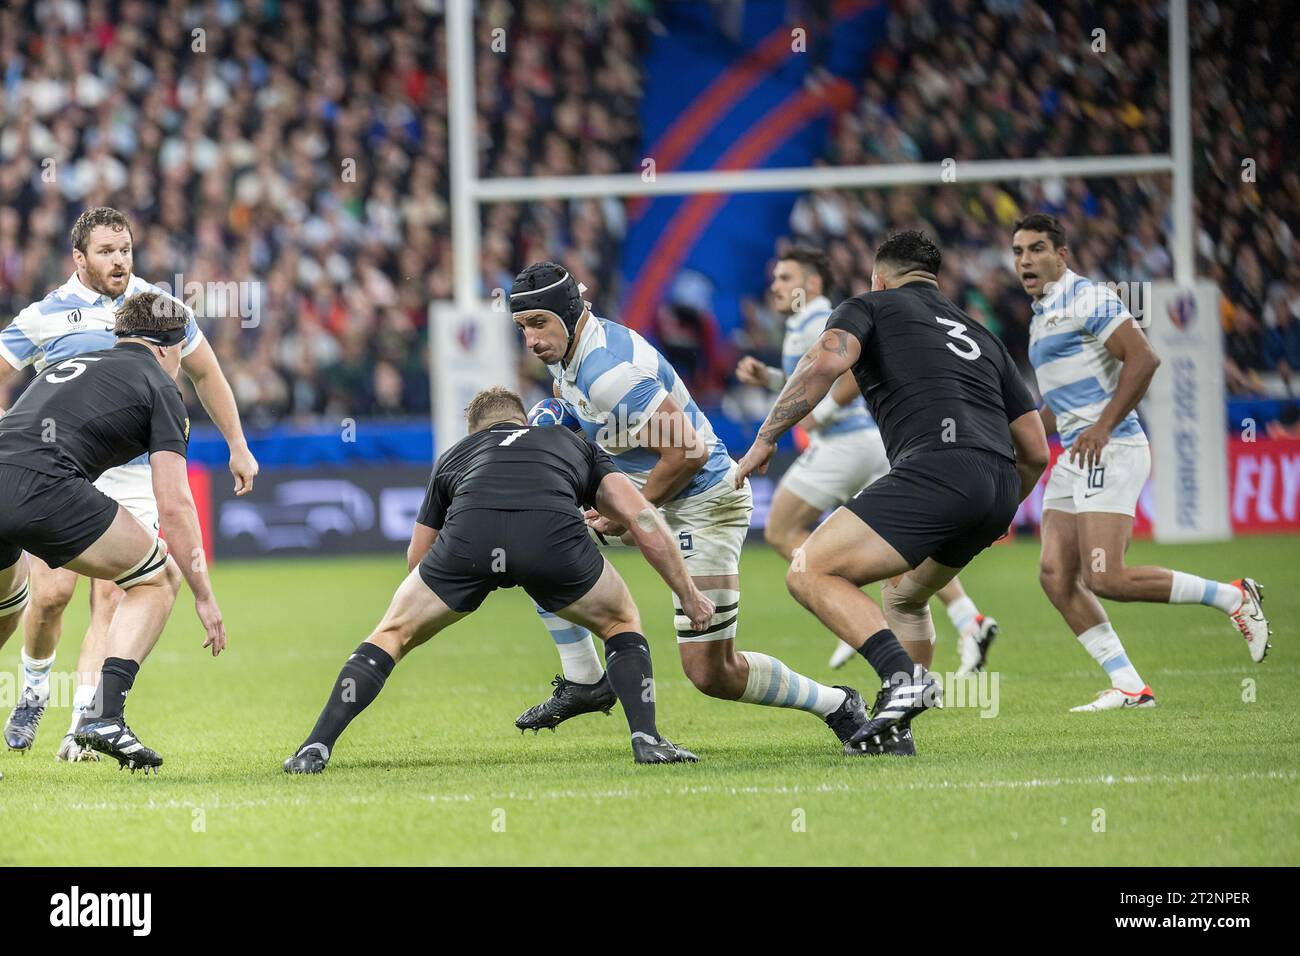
434, 772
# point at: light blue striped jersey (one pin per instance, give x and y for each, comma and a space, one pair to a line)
802, 330
615, 381
1076, 375
73, 320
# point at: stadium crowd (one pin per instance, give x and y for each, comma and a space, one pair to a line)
300, 151
967, 81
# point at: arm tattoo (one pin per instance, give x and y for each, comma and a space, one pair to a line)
795, 403
791, 407
838, 343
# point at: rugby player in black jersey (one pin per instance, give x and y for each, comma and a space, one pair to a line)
77, 419
965, 446
504, 509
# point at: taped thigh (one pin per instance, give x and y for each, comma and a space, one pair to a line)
150, 566
723, 625
17, 599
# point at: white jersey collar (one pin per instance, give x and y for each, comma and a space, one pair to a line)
1067, 281
83, 291
570, 372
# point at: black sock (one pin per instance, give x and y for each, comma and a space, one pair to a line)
358, 684
887, 657
627, 662
115, 680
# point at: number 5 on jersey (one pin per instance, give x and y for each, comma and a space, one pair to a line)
69, 369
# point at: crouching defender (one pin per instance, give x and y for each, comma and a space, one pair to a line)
76, 420
504, 509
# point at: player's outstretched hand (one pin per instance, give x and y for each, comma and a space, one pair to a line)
698, 608
755, 460
1087, 448
601, 525
750, 371
244, 467
210, 617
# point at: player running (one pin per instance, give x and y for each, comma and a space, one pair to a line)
965, 447
630, 402
503, 509
78, 317
80, 417
1094, 365
845, 452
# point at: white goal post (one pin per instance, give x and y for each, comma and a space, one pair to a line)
468, 189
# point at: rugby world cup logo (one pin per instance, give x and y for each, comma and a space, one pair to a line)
1182, 311
467, 335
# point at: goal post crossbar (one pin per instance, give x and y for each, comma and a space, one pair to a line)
798, 179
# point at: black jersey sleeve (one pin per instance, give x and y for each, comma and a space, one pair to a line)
599, 464
169, 425
433, 512
1016, 397
855, 316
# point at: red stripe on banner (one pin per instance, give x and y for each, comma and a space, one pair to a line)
695, 214
732, 86
721, 96
201, 490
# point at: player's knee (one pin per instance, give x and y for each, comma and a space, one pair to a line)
1056, 584
779, 537
772, 535
798, 581
621, 623
708, 675
1111, 585
50, 600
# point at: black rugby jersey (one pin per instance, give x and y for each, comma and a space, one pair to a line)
933, 377
93, 412
510, 467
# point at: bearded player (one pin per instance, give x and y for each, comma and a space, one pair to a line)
1094, 365
631, 403
845, 452
78, 317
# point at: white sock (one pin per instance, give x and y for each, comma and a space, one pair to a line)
82, 698
963, 612
578, 657
1103, 644
772, 684
36, 674
1189, 589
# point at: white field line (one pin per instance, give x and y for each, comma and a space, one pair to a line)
858, 788
1244, 670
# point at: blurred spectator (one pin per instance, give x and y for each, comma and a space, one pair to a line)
300, 151
1022, 79
1287, 424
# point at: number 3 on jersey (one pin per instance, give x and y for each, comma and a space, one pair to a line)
957, 330
69, 369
